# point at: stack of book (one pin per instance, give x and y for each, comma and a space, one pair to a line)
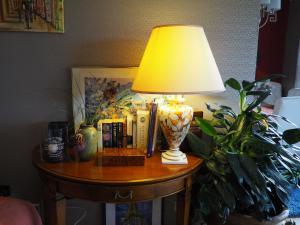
137, 130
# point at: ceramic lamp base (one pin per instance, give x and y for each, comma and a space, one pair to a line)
175, 120
174, 157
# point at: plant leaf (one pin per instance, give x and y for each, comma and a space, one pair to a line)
247, 86
227, 195
258, 101
253, 171
197, 146
206, 127
291, 136
233, 83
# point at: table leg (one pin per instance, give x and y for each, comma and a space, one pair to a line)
183, 203
54, 206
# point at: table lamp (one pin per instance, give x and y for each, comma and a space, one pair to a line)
177, 61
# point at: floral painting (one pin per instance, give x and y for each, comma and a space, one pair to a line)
32, 15
108, 97
100, 93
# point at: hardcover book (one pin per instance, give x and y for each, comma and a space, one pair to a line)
100, 138
134, 133
120, 134
142, 129
107, 135
114, 134
129, 129
151, 131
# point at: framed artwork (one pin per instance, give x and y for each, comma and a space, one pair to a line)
32, 15
146, 213
102, 93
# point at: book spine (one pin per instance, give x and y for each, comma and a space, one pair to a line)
142, 129
134, 134
114, 134
120, 135
100, 142
152, 119
107, 135
155, 132
124, 139
129, 132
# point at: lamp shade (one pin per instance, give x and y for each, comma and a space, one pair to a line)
178, 60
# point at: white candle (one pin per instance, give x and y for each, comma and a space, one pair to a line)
52, 148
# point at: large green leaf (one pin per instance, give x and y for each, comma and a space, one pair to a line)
226, 112
233, 83
226, 194
244, 198
236, 167
215, 167
258, 100
291, 136
272, 172
209, 108
247, 86
198, 146
220, 155
256, 147
206, 127
256, 93
283, 196
253, 171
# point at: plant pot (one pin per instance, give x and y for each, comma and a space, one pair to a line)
240, 219
87, 142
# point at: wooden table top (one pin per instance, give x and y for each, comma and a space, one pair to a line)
89, 172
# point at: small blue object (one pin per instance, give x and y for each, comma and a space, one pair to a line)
294, 206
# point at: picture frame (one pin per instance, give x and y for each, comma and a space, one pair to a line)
149, 211
97, 85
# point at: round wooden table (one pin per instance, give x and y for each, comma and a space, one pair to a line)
117, 184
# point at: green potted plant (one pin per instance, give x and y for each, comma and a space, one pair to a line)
250, 166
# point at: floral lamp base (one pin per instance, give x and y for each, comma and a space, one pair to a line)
175, 120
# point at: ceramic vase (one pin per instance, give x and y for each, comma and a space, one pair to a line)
86, 139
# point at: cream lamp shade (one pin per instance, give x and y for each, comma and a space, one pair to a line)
178, 60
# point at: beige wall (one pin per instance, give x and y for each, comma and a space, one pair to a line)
35, 67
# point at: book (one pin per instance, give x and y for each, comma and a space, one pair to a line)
142, 124
129, 131
119, 134
134, 131
152, 123
114, 134
100, 142
107, 135
124, 138
155, 133
111, 135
